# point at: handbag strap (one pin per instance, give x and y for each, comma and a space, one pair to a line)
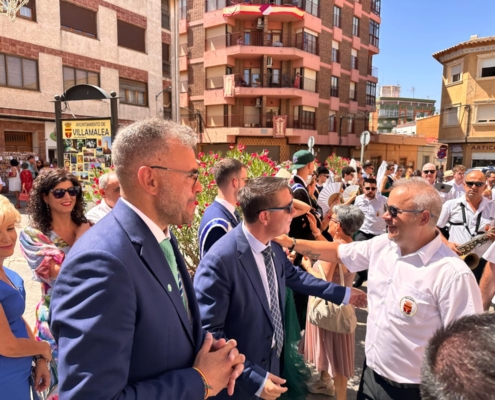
322, 274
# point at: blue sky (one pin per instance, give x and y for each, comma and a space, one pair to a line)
412, 30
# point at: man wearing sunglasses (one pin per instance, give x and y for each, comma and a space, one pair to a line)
368, 170
123, 309
221, 216
240, 286
416, 285
468, 216
372, 205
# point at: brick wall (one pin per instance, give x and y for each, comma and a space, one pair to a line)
196, 41
196, 78
324, 77
322, 114
325, 39
326, 13
166, 37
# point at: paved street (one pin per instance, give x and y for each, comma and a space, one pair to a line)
18, 264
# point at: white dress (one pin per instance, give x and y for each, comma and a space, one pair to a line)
15, 182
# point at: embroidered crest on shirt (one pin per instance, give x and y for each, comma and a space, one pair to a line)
408, 306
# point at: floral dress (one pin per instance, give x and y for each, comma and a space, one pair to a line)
39, 250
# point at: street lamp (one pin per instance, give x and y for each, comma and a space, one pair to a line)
167, 89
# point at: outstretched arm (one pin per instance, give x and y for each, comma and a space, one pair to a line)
317, 250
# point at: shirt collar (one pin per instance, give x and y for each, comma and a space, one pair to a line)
484, 202
426, 252
226, 204
304, 180
254, 243
159, 235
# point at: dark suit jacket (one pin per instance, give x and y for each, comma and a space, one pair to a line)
122, 333
234, 305
299, 227
216, 222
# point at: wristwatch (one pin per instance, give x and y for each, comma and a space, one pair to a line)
293, 244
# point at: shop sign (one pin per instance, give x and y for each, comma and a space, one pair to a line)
455, 148
490, 147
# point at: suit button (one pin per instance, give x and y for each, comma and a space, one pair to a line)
263, 361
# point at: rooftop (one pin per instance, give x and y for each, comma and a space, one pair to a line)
473, 41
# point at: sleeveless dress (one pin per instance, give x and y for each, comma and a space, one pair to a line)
14, 372
15, 182
330, 351
39, 250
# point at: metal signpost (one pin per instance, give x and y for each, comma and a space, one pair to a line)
365, 140
311, 143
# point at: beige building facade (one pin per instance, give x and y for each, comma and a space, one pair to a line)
119, 45
467, 121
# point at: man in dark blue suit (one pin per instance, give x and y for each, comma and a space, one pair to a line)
124, 312
221, 216
240, 286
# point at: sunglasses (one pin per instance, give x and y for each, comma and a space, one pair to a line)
429, 171
370, 188
394, 211
288, 208
477, 184
59, 193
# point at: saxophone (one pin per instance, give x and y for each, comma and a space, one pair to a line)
471, 259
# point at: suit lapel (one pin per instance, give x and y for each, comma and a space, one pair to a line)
248, 262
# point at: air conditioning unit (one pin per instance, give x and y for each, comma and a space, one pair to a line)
269, 61
258, 102
259, 24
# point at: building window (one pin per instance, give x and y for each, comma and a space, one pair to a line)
28, 11
354, 59
307, 42
375, 6
332, 123
455, 73
371, 93
487, 67
352, 91
334, 87
307, 119
165, 15
74, 76
77, 19
374, 33
337, 21
132, 92
19, 73
485, 114
451, 116
355, 26
311, 7
166, 60
335, 52
350, 125
130, 36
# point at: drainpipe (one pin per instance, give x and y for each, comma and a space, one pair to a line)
468, 127
340, 130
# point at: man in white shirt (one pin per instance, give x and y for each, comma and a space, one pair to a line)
372, 205
347, 176
109, 188
416, 285
457, 184
490, 182
468, 216
368, 169
448, 176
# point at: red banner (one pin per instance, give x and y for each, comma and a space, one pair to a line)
279, 125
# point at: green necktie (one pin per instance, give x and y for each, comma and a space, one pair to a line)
168, 251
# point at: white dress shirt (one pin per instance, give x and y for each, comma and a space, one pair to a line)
98, 212
409, 298
373, 211
456, 191
227, 205
452, 212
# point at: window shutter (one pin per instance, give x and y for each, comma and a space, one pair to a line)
354, 52
130, 36
451, 116
486, 113
3, 75
14, 70
456, 69
488, 63
77, 18
30, 74
335, 45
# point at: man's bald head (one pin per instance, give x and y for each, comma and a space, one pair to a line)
474, 185
429, 173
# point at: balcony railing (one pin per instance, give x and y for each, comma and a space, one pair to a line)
307, 5
256, 121
375, 6
298, 41
374, 41
335, 55
370, 100
265, 81
334, 92
373, 71
354, 62
165, 19
337, 20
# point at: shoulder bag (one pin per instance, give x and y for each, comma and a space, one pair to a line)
329, 316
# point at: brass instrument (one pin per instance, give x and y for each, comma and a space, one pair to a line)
471, 259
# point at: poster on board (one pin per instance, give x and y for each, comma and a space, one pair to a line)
87, 146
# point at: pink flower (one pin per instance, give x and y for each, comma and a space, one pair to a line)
202, 165
231, 146
98, 202
92, 166
254, 155
206, 204
215, 156
201, 154
211, 152
212, 182
196, 203
265, 174
206, 173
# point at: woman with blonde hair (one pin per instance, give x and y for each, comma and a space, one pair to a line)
18, 346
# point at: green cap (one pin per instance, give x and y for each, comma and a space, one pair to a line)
301, 158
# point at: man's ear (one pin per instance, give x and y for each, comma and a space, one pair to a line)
147, 180
102, 192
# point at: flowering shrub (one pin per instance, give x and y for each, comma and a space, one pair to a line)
336, 163
259, 164
91, 189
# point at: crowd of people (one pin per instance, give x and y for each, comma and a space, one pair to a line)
120, 317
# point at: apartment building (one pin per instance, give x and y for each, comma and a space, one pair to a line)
468, 101
119, 45
272, 73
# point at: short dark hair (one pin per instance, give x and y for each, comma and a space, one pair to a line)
358, 169
226, 169
370, 180
259, 194
489, 173
347, 171
14, 162
458, 361
29, 157
367, 164
322, 170
459, 168
390, 165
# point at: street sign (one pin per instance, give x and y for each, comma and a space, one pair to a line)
443, 147
365, 138
442, 154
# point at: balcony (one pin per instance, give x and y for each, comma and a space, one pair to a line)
373, 71
306, 5
370, 100
265, 81
262, 39
375, 7
255, 121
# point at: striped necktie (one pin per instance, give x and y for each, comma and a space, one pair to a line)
168, 251
237, 216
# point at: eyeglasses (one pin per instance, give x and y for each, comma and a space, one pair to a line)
190, 174
59, 193
477, 184
288, 208
394, 211
370, 188
429, 171
334, 220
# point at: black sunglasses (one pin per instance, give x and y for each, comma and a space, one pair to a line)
370, 188
394, 211
59, 193
429, 171
477, 184
288, 208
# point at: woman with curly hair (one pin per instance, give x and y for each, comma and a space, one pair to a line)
56, 210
